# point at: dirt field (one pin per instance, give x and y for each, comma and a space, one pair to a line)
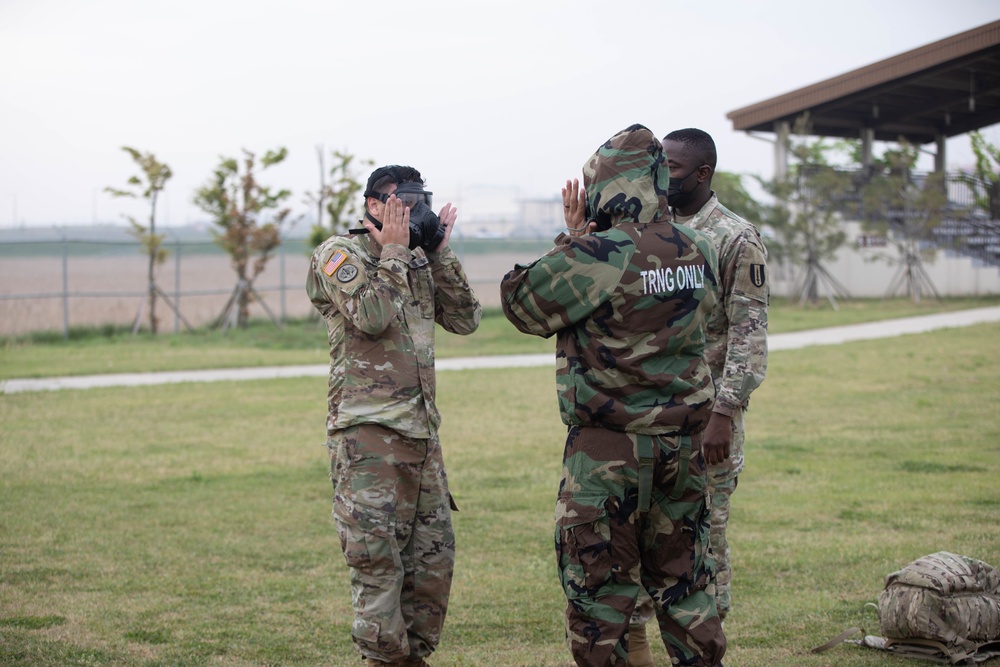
111, 290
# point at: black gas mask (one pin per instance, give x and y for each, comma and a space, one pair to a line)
601, 217
425, 226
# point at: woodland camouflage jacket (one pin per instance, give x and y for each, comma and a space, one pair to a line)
629, 305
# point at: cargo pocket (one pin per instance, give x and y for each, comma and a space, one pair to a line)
365, 632
583, 545
367, 538
422, 285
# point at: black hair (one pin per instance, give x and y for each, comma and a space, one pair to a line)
699, 141
393, 173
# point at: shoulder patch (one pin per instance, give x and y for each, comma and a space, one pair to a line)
347, 273
757, 276
338, 258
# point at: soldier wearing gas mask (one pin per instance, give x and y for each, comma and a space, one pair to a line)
381, 290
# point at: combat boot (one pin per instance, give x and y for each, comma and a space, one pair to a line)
639, 654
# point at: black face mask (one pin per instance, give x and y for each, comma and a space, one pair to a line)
677, 196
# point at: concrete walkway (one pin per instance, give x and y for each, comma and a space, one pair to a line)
776, 342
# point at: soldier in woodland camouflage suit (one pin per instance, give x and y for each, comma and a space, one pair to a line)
381, 294
736, 346
627, 296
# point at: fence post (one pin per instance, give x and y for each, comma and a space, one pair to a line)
65, 283
177, 284
283, 286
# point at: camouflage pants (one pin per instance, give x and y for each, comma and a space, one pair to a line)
608, 550
722, 480
391, 506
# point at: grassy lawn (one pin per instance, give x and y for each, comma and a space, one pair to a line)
190, 524
304, 342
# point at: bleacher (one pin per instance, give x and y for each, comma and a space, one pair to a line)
972, 236
971, 221
972, 224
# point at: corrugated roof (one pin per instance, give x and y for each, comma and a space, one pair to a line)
949, 87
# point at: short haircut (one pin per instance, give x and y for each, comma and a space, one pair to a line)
699, 141
391, 174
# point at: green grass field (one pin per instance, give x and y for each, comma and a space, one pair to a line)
190, 524
91, 351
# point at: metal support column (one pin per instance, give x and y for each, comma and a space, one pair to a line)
782, 130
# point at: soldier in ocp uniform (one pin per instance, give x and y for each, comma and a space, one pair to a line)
736, 345
628, 294
381, 290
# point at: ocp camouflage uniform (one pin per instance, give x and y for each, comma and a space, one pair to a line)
391, 500
628, 307
736, 351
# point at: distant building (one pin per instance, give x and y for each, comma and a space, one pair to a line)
541, 217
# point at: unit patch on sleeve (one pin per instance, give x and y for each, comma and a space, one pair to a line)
347, 273
757, 275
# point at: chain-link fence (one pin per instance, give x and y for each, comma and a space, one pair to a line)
58, 279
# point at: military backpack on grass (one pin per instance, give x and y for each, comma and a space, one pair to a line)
943, 607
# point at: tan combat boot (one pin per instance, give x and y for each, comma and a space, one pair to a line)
639, 654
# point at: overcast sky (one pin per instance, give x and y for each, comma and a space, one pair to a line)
492, 101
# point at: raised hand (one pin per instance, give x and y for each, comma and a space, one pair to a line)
575, 209
395, 224
448, 216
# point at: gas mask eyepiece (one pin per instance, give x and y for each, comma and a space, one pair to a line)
425, 226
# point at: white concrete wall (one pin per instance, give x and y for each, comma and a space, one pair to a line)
952, 274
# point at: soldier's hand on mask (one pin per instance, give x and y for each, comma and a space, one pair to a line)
575, 208
448, 216
717, 440
395, 224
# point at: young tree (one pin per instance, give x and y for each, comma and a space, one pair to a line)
148, 186
250, 217
905, 210
987, 187
337, 197
734, 196
805, 215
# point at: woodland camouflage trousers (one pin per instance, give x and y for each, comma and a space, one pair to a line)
609, 549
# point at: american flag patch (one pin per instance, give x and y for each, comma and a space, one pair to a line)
334, 263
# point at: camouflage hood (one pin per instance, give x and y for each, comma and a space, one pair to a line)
623, 179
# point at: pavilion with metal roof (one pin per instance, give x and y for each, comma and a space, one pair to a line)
926, 95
